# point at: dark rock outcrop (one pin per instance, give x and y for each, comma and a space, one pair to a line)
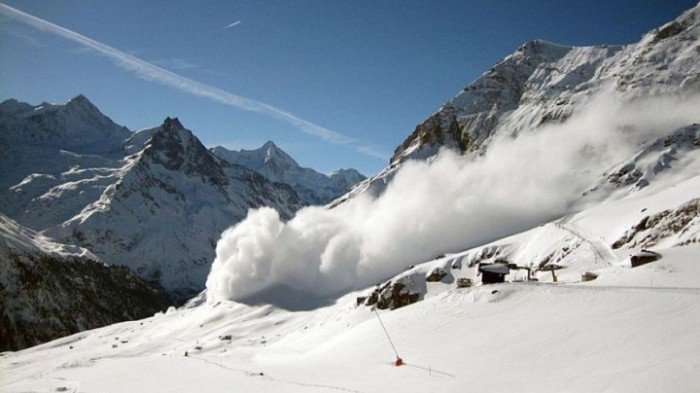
436, 275
390, 296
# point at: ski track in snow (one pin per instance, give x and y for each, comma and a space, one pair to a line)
602, 251
266, 377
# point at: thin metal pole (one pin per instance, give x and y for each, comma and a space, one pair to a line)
387, 334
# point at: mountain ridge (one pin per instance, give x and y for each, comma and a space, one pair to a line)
71, 172
544, 83
276, 165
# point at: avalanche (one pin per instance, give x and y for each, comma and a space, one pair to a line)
537, 181
631, 329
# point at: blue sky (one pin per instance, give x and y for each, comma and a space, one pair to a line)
366, 70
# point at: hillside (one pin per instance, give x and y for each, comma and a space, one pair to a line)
50, 290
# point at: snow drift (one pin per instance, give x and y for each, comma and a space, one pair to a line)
448, 203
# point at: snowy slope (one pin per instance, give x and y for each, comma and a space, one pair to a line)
272, 162
49, 290
599, 240
667, 160
524, 337
630, 329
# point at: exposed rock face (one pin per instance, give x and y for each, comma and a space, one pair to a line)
395, 296
390, 296
313, 188
436, 275
656, 159
464, 283
654, 229
48, 290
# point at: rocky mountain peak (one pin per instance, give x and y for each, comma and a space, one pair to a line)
541, 82
77, 126
273, 153
172, 124
80, 105
175, 148
346, 178
270, 145
79, 100
351, 174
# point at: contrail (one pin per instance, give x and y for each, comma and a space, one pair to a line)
234, 24
160, 75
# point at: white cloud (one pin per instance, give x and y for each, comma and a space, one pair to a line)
234, 24
449, 204
176, 63
160, 75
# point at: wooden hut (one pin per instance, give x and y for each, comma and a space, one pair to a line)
493, 273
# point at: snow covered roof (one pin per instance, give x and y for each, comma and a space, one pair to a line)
647, 254
499, 268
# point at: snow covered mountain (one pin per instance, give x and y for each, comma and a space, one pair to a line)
604, 324
313, 187
169, 204
50, 290
155, 200
77, 126
545, 83
56, 159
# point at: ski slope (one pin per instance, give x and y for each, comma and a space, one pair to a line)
525, 337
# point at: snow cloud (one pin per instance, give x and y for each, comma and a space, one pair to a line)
152, 72
448, 204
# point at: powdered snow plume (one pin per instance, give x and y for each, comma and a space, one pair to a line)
445, 204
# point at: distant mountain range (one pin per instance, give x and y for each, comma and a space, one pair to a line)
154, 200
313, 188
